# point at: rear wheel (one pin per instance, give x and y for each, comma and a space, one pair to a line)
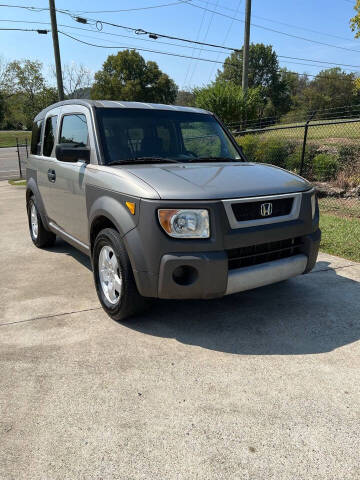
39, 235
114, 278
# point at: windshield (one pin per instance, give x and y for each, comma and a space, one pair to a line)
135, 135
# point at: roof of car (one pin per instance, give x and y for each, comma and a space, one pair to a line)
119, 104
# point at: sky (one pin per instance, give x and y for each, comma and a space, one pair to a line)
324, 21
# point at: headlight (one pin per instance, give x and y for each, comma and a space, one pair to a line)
185, 223
313, 204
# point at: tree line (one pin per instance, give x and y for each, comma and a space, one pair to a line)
274, 95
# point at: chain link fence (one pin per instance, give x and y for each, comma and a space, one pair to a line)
327, 153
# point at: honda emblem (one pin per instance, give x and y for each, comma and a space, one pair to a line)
266, 209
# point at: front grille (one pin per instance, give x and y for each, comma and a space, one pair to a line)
266, 252
244, 211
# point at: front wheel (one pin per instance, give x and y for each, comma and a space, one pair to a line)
114, 278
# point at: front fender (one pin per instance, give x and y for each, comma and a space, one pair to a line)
111, 205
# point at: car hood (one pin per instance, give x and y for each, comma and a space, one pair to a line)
221, 180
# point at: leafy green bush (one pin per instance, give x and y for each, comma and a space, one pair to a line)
274, 151
325, 167
293, 161
228, 101
250, 144
349, 154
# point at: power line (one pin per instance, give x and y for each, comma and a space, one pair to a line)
201, 49
155, 35
183, 56
102, 22
193, 48
140, 49
112, 34
184, 2
177, 45
33, 9
135, 9
275, 31
42, 32
225, 38
319, 66
286, 24
319, 61
228, 48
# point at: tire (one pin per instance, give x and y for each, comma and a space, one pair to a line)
114, 279
39, 235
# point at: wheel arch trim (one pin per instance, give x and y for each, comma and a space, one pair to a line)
33, 190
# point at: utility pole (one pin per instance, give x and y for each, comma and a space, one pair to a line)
246, 47
56, 50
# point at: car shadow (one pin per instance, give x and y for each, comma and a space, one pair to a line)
62, 247
313, 313
309, 314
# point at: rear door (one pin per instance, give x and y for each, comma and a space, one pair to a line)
46, 161
67, 205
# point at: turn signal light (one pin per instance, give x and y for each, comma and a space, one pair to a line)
131, 207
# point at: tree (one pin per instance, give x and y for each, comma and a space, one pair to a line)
127, 76
330, 89
77, 80
227, 100
2, 109
185, 98
264, 72
355, 20
3, 67
26, 91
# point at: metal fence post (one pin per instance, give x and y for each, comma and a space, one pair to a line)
26, 146
18, 153
304, 142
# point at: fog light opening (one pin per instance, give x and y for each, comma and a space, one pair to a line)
185, 275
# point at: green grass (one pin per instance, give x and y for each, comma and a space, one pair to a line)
17, 182
330, 134
340, 236
8, 137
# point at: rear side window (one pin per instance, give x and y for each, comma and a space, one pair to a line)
36, 138
49, 138
74, 130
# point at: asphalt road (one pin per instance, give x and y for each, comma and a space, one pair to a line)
9, 164
260, 385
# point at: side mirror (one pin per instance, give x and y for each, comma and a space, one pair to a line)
67, 152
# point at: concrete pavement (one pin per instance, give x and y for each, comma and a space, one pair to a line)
260, 385
9, 164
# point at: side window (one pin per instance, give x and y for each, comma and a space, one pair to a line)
201, 138
74, 130
167, 135
49, 137
36, 138
135, 136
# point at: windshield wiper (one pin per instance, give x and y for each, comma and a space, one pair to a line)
213, 159
143, 160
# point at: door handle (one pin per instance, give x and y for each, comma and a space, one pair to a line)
51, 175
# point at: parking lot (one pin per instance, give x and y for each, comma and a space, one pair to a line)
259, 385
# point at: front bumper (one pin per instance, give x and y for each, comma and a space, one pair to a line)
165, 267
206, 275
